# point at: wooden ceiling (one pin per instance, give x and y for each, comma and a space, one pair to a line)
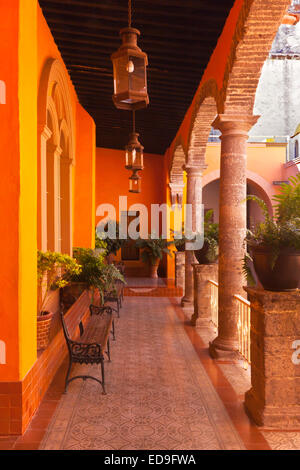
179, 37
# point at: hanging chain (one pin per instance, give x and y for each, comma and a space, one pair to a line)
129, 13
133, 121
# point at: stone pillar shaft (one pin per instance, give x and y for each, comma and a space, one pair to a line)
274, 399
179, 268
194, 198
203, 273
232, 228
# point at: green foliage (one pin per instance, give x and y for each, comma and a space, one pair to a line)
211, 230
153, 248
283, 230
100, 244
247, 270
54, 270
112, 244
95, 273
211, 236
287, 205
179, 238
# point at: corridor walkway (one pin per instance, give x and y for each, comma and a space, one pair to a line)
164, 392
159, 395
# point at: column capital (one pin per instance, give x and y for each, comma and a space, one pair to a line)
66, 161
176, 186
176, 193
56, 150
45, 131
235, 124
194, 170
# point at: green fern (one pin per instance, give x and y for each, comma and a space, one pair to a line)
247, 270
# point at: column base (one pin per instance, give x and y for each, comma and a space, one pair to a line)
200, 322
220, 349
276, 417
187, 303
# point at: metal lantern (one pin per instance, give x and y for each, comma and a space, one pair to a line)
135, 182
129, 65
134, 153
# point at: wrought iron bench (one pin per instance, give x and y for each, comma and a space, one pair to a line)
90, 347
116, 296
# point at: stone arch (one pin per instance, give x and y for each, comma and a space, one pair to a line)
204, 112
54, 93
176, 175
255, 30
56, 136
257, 180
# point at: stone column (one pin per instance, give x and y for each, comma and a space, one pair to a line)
232, 220
179, 268
194, 198
203, 273
274, 399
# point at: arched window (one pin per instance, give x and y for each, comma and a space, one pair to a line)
56, 159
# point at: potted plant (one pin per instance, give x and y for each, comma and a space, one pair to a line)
153, 250
53, 270
275, 243
95, 273
209, 253
112, 244
179, 240
100, 245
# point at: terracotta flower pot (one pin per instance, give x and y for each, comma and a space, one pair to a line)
110, 258
43, 329
180, 247
71, 292
153, 269
285, 276
202, 255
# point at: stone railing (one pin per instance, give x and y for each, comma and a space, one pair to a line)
214, 286
244, 328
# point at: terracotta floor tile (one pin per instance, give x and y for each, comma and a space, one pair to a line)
159, 395
164, 392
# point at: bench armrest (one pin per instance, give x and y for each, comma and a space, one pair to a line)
95, 310
84, 349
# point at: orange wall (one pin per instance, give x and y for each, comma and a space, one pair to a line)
26, 44
84, 181
9, 188
46, 49
112, 181
84, 169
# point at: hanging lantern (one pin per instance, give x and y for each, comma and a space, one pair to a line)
135, 182
134, 153
129, 66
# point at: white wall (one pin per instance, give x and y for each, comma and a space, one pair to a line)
277, 98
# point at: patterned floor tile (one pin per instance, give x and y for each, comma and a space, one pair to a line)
159, 395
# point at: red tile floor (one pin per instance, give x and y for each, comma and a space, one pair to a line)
241, 432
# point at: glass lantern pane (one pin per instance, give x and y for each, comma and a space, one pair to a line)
137, 79
134, 185
120, 75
